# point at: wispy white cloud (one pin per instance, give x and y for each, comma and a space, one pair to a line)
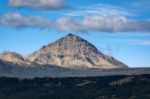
99, 9
140, 5
39, 4
136, 42
16, 20
103, 23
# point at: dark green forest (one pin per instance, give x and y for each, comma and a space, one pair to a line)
105, 87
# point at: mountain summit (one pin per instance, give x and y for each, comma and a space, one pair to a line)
73, 51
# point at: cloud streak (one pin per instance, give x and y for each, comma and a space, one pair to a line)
99, 9
39, 4
136, 42
99, 23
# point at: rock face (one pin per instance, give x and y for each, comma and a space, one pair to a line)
73, 51
12, 57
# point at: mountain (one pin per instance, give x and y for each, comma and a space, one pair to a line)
57, 59
74, 51
12, 57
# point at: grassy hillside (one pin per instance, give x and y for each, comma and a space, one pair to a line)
106, 87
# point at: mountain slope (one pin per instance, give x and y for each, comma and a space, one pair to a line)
73, 51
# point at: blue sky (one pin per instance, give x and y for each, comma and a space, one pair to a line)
120, 28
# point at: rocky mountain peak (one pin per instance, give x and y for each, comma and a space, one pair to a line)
70, 38
73, 51
11, 57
